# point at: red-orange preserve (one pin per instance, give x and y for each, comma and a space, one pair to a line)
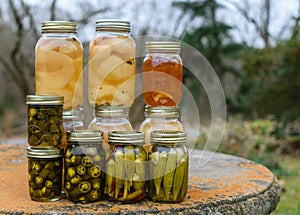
162, 74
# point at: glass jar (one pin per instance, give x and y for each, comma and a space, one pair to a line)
44, 126
126, 167
83, 166
110, 118
162, 74
45, 173
58, 63
112, 64
160, 118
168, 166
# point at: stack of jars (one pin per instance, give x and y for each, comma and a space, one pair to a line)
108, 160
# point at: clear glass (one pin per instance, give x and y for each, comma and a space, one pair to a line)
58, 67
112, 69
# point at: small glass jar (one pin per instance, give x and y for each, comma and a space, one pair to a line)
126, 171
112, 64
45, 173
45, 126
168, 166
84, 166
110, 118
162, 74
59, 62
160, 118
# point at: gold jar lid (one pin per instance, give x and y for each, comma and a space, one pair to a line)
126, 137
58, 27
84, 136
163, 46
111, 111
162, 111
44, 152
113, 25
168, 137
44, 100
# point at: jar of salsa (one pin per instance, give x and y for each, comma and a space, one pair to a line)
58, 63
162, 74
112, 64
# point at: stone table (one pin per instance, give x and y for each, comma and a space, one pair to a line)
218, 184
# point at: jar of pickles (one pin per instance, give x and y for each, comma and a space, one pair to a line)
160, 118
162, 74
168, 166
44, 126
58, 63
126, 171
45, 173
83, 181
112, 64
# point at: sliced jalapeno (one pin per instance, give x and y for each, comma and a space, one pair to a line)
68, 185
86, 161
71, 172
94, 171
84, 187
75, 159
96, 184
81, 170
76, 179
38, 180
35, 166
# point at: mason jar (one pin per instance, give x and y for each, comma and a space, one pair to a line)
84, 177
162, 74
126, 172
45, 173
59, 62
45, 123
160, 118
112, 64
168, 166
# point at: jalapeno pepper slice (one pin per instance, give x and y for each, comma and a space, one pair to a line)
81, 170
94, 171
86, 161
84, 187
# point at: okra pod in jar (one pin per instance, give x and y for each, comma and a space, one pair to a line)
112, 64
59, 62
84, 177
45, 173
168, 166
44, 120
162, 74
126, 171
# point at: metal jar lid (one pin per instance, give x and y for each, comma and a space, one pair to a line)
162, 111
74, 114
44, 152
126, 137
168, 137
111, 111
58, 27
84, 136
44, 100
163, 46
113, 25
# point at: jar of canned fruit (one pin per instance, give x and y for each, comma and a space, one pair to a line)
45, 123
83, 181
112, 64
168, 166
126, 171
162, 74
58, 63
45, 173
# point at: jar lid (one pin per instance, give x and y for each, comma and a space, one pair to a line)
44, 152
126, 137
163, 46
111, 111
114, 25
168, 137
58, 27
162, 111
84, 135
75, 114
44, 100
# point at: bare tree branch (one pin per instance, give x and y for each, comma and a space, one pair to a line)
32, 22
52, 10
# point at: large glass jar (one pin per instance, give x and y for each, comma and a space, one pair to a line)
162, 74
83, 181
45, 123
126, 172
45, 173
112, 64
110, 118
58, 63
160, 118
168, 166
